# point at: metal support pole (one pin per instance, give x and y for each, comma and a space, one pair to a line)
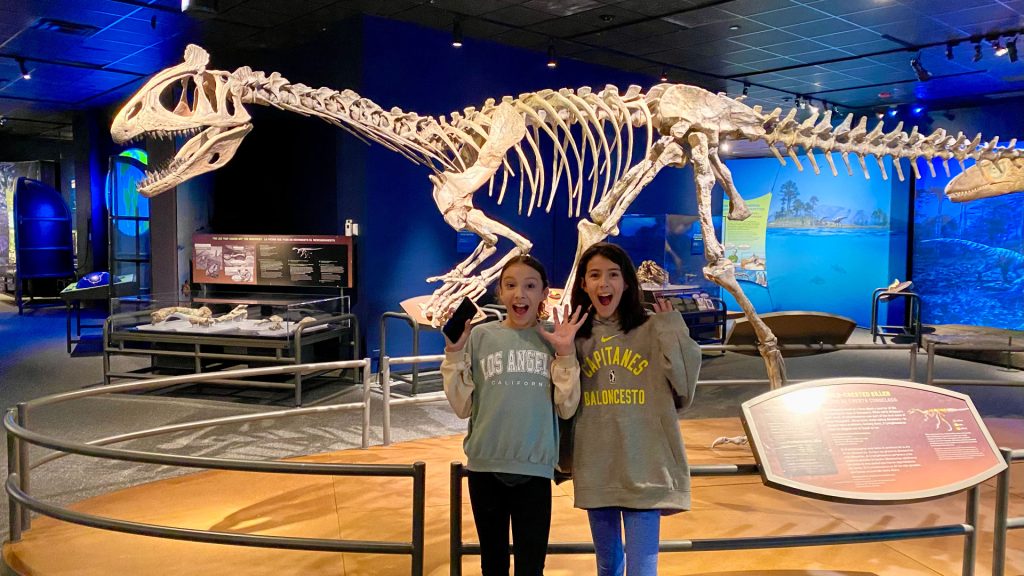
23, 464
913, 363
971, 538
930, 366
14, 509
367, 382
419, 501
385, 377
1002, 511
415, 352
455, 512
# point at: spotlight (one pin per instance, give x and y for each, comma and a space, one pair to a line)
922, 74
24, 71
998, 49
200, 8
552, 61
1011, 48
893, 112
664, 75
977, 52
3, 121
746, 89
949, 51
801, 103
917, 109
457, 33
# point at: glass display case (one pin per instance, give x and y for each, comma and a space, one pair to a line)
203, 334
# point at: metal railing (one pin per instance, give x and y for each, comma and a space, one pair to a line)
19, 437
385, 379
1003, 522
931, 347
968, 529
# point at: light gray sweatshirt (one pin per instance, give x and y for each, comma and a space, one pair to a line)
627, 448
502, 380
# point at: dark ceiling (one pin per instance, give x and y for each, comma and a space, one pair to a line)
854, 54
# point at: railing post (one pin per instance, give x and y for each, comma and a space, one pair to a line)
385, 378
913, 362
455, 528
26, 516
1001, 513
971, 538
930, 365
13, 508
419, 504
367, 382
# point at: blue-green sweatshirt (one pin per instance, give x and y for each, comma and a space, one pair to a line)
513, 388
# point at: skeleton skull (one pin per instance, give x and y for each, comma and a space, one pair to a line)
207, 109
987, 178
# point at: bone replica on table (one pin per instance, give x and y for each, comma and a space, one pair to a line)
163, 314
650, 273
676, 123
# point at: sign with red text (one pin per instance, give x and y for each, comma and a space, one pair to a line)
869, 440
272, 260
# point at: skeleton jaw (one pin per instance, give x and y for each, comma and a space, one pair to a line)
207, 108
986, 179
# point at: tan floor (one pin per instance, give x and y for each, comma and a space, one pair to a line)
379, 509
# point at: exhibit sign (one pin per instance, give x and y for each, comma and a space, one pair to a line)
868, 440
744, 240
272, 260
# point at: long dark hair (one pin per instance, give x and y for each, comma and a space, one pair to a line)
631, 309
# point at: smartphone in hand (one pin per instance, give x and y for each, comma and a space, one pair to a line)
455, 325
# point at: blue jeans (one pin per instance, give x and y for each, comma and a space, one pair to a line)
640, 557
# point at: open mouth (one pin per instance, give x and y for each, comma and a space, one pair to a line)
604, 299
204, 148
520, 309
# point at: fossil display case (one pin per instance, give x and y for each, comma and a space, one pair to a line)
206, 334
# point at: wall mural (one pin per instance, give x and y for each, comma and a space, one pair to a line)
968, 259
827, 242
9, 174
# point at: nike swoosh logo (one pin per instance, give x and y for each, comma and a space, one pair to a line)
607, 338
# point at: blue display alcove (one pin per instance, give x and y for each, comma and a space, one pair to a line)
43, 243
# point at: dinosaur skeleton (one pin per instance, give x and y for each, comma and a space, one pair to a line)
937, 414
591, 135
198, 316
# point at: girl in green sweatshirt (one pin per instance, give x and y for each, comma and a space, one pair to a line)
513, 379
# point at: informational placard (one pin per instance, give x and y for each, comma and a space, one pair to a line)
272, 260
869, 440
744, 240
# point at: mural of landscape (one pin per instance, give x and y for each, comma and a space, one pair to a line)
968, 259
828, 240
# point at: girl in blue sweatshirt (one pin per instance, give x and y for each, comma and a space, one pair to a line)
629, 465
513, 379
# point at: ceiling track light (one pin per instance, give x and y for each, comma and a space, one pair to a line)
1011, 48
923, 75
24, 71
746, 89
457, 33
977, 51
949, 50
664, 75
998, 49
552, 60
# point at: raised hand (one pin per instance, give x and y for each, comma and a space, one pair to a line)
565, 329
662, 305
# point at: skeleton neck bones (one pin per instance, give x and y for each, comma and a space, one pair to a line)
591, 136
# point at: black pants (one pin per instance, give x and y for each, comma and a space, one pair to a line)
527, 506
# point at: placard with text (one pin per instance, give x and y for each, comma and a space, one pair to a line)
869, 439
272, 260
